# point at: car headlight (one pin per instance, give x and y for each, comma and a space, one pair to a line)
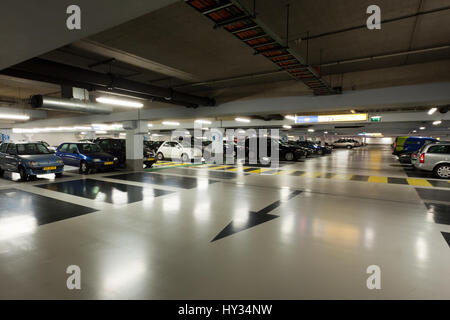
33, 163
115, 159
59, 162
97, 160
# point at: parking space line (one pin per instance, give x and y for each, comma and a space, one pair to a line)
327, 175
419, 182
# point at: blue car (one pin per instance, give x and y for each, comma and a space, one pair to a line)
29, 159
86, 156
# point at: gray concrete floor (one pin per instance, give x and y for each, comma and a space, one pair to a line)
317, 244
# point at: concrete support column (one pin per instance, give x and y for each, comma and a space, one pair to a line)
135, 150
134, 144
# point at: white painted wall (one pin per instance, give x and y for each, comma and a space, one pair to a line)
383, 141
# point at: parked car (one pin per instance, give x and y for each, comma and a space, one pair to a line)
49, 147
285, 151
434, 157
152, 145
29, 159
315, 148
176, 150
87, 156
117, 148
404, 147
346, 143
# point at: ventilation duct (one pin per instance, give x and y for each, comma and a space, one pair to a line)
51, 103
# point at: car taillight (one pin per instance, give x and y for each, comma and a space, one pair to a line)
422, 158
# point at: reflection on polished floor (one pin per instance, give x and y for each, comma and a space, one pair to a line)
192, 233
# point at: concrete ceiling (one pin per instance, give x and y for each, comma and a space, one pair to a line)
177, 47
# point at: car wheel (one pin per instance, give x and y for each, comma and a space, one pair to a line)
84, 167
160, 156
320, 153
349, 147
442, 171
2, 172
58, 175
23, 174
289, 156
184, 157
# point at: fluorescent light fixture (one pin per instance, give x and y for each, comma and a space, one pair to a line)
414, 131
120, 102
353, 111
326, 132
289, 117
122, 134
436, 123
150, 125
287, 127
422, 128
10, 116
203, 121
101, 132
310, 130
170, 123
242, 120
431, 111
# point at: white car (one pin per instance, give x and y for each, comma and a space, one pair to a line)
176, 150
346, 143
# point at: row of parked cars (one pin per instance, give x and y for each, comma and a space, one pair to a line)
424, 153
30, 159
188, 149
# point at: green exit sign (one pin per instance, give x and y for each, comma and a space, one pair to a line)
375, 119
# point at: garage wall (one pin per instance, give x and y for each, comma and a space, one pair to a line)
53, 139
382, 141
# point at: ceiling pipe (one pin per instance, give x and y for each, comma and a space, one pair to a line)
53, 72
51, 103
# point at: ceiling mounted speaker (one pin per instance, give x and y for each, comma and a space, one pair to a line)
444, 109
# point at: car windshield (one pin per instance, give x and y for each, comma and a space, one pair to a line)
32, 148
86, 148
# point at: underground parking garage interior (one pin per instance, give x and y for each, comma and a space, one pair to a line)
225, 150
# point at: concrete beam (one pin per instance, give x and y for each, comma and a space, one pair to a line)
416, 95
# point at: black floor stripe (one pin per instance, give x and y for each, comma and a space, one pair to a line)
357, 177
37, 208
397, 180
446, 236
110, 192
160, 179
297, 173
434, 194
439, 184
440, 212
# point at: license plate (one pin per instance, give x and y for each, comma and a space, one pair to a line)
50, 168
109, 163
151, 159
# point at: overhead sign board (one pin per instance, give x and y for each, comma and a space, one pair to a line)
332, 118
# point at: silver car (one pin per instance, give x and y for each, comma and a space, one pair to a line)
434, 157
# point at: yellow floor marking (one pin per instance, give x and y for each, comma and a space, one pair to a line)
232, 169
218, 168
418, 182
378, 179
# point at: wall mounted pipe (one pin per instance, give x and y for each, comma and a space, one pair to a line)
51, 103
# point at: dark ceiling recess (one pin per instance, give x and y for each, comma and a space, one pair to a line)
53, 72
239, 21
